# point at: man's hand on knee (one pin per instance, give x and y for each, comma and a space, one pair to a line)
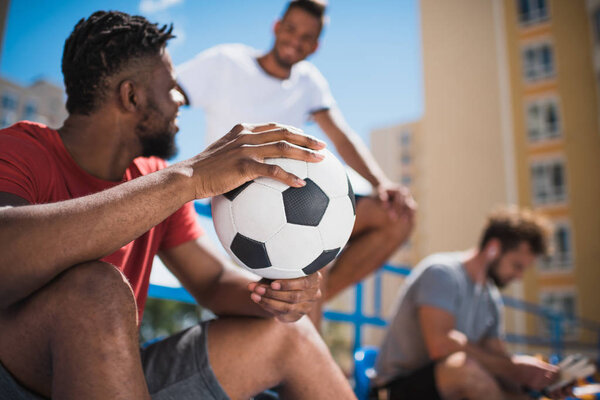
287, 299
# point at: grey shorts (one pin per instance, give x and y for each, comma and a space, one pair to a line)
176, 368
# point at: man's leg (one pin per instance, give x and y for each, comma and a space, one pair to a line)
374, 239
249, 355
76, 338
460, 377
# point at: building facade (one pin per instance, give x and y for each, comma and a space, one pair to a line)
40, 102
511, 117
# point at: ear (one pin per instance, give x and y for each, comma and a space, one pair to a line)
276, 26
492, 249
128, 97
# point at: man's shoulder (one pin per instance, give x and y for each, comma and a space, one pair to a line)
306, 69
28, 138
449, 262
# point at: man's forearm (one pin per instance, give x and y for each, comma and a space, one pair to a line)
37, 242
499, 365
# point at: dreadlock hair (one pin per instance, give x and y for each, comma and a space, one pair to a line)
512, 226
316, 8
101, 46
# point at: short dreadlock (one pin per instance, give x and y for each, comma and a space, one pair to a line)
101, 46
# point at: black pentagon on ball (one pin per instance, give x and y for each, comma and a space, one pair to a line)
325, 258
351, 195
305, 205
233, 193
251, 252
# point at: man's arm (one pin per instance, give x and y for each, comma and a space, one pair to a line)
37, 242
225, 289
441, 340
356, 154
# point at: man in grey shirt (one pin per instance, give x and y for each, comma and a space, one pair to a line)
445, 340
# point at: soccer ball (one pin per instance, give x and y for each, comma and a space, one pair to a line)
281, 232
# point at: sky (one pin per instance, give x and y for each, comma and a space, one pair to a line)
369, 52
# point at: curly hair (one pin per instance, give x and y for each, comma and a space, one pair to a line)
316, 8
102, 45
512, 226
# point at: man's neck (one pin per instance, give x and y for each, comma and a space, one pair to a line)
271, 67
102, 146
475, 265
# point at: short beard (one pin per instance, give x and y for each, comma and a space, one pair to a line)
155, 142
281, 62
492, 273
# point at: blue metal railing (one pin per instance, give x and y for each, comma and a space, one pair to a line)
358, 318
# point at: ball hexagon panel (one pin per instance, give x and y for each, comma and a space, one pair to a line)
327, 175
305, 205
221, 211
258, 212
295, 167
251, 252
294, 247
337, 223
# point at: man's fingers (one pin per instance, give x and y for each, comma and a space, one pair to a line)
279, 134
278, 307
287, 296
303, 283
255, 169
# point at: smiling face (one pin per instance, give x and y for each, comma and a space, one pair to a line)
158, 125
296, 37
510, 265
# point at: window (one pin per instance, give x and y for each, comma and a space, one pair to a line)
538, 62
532, 11
543, 121
10, 101
564, 303
30, 111
405, 139
548, 182
561, 258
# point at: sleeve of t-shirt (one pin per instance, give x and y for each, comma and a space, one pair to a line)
20, 172
438, 288
197, 75
321, 97
182, 226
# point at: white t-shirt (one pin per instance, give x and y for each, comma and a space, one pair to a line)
229, 84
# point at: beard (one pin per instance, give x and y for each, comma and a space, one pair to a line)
280, 61
492, 273
156, 134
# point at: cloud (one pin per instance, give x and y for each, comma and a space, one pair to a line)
152, 6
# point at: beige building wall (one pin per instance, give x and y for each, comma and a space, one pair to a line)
463, 163
40, 102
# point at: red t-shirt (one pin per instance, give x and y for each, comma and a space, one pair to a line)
35, 165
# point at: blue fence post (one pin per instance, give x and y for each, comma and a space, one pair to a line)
358, 314
556, 334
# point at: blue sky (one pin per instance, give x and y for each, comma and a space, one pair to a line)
370, 51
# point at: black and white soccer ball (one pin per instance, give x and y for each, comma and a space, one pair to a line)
281, 232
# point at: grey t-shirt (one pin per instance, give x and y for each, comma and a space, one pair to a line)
440, 281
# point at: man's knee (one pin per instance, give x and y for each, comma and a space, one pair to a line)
95, 290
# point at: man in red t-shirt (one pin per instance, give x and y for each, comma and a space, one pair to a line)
84, 209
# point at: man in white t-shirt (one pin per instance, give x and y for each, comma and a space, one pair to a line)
237, 83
